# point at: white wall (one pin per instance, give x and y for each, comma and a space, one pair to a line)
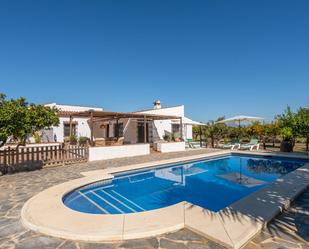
82, 128
170, 147
172, 111
130, 135
110, 152
160, 126
188, 131
163, 126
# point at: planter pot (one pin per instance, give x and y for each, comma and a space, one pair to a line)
286, 146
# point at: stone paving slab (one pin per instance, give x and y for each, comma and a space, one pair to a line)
288, 230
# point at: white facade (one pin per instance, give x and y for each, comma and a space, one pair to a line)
82, 127
165, 126
110, 152
170, 147
157, 129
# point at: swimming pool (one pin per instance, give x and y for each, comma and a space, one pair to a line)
211, 183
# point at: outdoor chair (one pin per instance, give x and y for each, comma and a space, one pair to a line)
254, 143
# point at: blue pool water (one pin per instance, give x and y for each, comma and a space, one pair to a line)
212, 184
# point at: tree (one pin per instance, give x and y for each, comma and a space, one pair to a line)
20, 119
272, 130
215, 131
302, 124
289, 120
256, 129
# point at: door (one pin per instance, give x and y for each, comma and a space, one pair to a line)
140, 132
107, 130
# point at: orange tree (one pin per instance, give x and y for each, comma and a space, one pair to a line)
19, 119
272, 131
258, 130
302, 120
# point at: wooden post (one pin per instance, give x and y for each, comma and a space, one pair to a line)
145, 130
71, 118
91, 128
201, 136
117, 127
181, 133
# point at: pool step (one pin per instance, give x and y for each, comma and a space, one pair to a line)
111, 202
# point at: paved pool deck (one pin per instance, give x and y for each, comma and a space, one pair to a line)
288, 230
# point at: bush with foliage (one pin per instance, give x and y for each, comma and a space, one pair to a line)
83, 140
302, 121
288, 125
19, 119
73, 139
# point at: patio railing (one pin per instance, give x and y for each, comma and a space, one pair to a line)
30, 158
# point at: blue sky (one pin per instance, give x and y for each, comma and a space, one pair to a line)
215, 57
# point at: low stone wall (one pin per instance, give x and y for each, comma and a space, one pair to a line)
110, 152
170, 147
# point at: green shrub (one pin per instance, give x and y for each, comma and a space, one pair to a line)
83, 140
73, 139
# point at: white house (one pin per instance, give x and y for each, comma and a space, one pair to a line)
131, 129
80, 125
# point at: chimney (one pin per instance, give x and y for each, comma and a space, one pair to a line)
157, 104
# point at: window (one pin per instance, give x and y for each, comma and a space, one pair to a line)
175, 128
118, 130
66, 129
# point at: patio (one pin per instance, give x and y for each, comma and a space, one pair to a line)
289, 230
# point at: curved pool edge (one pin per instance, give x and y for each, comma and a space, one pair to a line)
231, 227
60, 221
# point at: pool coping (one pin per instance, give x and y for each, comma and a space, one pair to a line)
231, 227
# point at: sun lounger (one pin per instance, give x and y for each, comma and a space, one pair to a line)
254, 143
235, 145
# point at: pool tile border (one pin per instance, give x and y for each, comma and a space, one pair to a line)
231, 227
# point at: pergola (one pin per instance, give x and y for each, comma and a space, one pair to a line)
99, 116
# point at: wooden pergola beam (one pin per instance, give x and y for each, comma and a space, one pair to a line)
91, 129
145, 130
181, 129
115, 115
71, 119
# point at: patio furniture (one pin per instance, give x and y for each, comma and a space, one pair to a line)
119, 141
234, 145
194, 145
100, 142
254, 143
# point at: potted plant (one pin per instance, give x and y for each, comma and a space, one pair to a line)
287, 139
288, 124
73, 140
83, 141
167, 138
176, 137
